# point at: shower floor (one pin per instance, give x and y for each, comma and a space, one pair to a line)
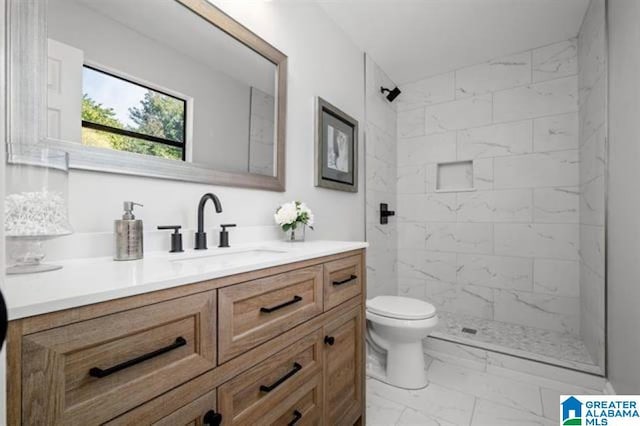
546, 346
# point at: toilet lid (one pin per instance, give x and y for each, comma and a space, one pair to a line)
401, 307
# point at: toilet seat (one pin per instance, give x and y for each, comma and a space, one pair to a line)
402, 308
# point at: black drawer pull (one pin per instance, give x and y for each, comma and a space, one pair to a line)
351, 278
211, 418
329, 340
295, 299
297, 415
100, 373
296, 367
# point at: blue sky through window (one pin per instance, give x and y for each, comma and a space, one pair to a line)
112, 92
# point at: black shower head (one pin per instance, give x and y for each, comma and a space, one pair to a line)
393, 93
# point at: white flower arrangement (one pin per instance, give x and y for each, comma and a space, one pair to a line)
290, 215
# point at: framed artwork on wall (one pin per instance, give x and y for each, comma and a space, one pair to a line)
336, 148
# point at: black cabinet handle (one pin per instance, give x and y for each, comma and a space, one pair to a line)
211, 418
100, 373
347, 280
295, 299
296, 367
297, 415
329, 340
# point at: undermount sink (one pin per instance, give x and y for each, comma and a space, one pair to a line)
251, 253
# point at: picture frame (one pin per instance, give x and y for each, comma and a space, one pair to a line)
336, 148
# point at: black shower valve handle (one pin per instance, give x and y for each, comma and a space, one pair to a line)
385, 213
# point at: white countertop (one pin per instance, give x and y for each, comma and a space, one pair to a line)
92, 280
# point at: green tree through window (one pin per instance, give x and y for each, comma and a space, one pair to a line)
156, 116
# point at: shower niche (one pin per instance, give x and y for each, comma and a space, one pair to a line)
454, 176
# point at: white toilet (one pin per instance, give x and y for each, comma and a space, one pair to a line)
397, 325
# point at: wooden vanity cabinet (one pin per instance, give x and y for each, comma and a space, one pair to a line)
280, 346
343, 373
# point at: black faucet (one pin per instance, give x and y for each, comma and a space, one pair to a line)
201, 236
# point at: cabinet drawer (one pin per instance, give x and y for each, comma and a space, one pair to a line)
342, 280
254, 312
168, 411
302, 407
94, 370
251, 397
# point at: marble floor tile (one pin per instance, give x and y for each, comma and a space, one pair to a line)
411, 417
381, 411
519, 395
489, 413
434, 400
457, 395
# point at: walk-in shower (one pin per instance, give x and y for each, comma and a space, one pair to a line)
496, 172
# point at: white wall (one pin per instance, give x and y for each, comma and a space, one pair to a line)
507, 251
220, 102
623, 225
322, 62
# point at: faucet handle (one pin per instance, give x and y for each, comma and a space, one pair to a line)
224, 234
176, 238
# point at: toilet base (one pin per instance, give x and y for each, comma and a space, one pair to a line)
405, 367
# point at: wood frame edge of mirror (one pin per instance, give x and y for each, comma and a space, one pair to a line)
26, 53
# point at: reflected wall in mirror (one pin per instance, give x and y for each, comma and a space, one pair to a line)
151, 77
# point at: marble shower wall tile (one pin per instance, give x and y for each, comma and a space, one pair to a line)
555, 61
432, 90
592, 86
381, 175
556, 277
555, 133
379, 144
536, 100
593, 109
495, 141
440, 207
427, 149
483, 173
502, 73
556, 205
555, 241
460, 237
411, 180
412, 235
495, 206
538, 310
592, 253
495, 271
592, 60
467, 299
544, 169
411, 123
426, 265
461, 114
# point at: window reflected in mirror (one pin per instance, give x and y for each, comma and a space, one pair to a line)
153, 78
126, 116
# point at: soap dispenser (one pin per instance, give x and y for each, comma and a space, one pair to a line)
128, 235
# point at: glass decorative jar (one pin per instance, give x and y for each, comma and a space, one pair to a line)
296, 234
35, 205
